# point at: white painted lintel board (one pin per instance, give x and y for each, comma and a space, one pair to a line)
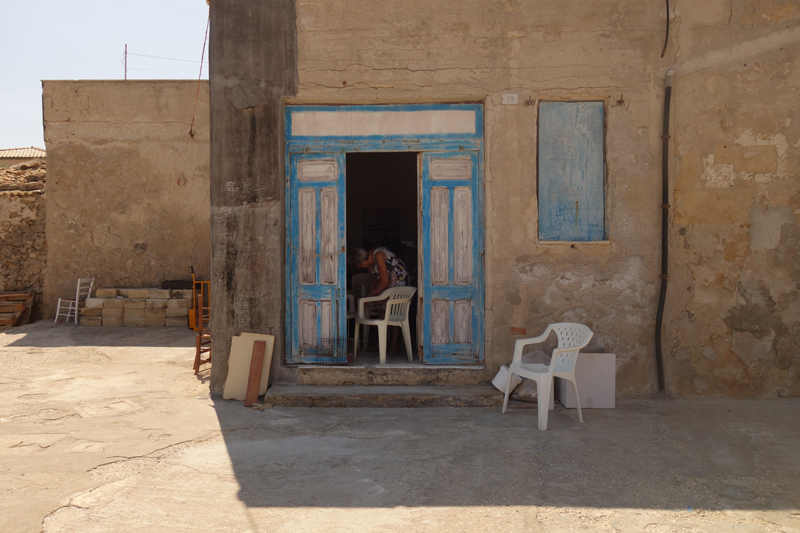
381, 123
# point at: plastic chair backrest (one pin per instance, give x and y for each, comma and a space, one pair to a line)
84, 289
398, 310
570, 335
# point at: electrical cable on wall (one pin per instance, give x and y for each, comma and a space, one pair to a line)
202, 59
666, 37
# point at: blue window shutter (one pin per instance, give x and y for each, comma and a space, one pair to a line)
571, 171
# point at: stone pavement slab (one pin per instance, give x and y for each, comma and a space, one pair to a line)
107, 429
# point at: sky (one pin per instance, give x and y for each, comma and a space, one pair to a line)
85, 40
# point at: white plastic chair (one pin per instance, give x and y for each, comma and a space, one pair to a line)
571, 338
73, 307
397, 307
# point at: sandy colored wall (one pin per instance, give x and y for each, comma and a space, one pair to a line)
733, 325
731, 318
128, 187
417, 52
22, 243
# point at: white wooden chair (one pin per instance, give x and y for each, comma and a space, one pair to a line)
73, 307
397, 307
571, 338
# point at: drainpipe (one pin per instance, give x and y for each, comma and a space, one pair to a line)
664, 228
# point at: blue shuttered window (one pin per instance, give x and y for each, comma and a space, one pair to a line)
571, 172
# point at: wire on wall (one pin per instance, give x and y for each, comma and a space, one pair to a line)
202, 58
666, 37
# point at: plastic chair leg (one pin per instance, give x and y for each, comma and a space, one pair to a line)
382, 342
544, 385
355, 340
407, 339
577, 399
508, 392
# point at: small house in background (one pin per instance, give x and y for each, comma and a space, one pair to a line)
12, 156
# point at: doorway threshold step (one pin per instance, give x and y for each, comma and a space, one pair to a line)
382, 396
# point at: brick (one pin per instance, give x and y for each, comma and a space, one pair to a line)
182, 294
106, 293
139, 293
92, 311
154, 322
155, 313
156, 303
134, 304
178, 303
158, 293
177, 322
133, 313
123, 292
112, 322
112, 313
95, 302
133, 322
114, 303
175, 313
91, 321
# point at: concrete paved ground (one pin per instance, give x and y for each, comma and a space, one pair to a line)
108, 430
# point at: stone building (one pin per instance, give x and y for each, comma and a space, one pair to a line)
527, 136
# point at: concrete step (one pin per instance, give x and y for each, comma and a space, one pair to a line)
382, 396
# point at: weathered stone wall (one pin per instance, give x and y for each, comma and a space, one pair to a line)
418, 52
22, 243
733, 325
734, 120
128, 187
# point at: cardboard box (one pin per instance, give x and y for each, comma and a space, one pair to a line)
596, 376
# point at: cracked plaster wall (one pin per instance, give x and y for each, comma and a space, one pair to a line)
128, 188
733, 312
419, 51
734, 239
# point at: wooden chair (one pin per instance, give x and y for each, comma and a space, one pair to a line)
72, 308
203, 334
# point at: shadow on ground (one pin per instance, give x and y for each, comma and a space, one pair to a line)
45, 334
653, 453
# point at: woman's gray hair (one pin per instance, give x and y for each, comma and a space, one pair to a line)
357, 256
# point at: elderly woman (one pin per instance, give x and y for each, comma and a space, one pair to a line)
387, 271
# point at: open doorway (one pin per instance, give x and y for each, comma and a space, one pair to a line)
382, 211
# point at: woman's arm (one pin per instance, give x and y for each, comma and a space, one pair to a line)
380, 260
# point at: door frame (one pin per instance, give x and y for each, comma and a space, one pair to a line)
423, 128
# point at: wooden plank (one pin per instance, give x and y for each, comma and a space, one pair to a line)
462, 322
440, 322
328, 242
307, 198
440, 206
318, 170
308, 323
462, 236
326, 320
12, 308
254, 379
571, 171
239, 365
451, 168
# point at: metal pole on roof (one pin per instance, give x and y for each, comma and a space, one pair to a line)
126, 61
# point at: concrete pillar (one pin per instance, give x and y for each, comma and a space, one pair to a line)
253, 60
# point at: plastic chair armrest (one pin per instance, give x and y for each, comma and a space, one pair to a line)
521, 343
362, 301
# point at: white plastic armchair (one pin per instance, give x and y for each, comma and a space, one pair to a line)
571, 338
397, 307
73, 307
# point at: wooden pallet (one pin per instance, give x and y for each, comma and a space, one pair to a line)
15, 308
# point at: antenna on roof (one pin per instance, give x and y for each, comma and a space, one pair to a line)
125, 57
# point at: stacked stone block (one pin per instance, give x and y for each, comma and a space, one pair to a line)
152, 308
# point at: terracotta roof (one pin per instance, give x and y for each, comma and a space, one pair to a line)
19, 153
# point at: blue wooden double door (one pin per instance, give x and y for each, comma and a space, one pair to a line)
450, 268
